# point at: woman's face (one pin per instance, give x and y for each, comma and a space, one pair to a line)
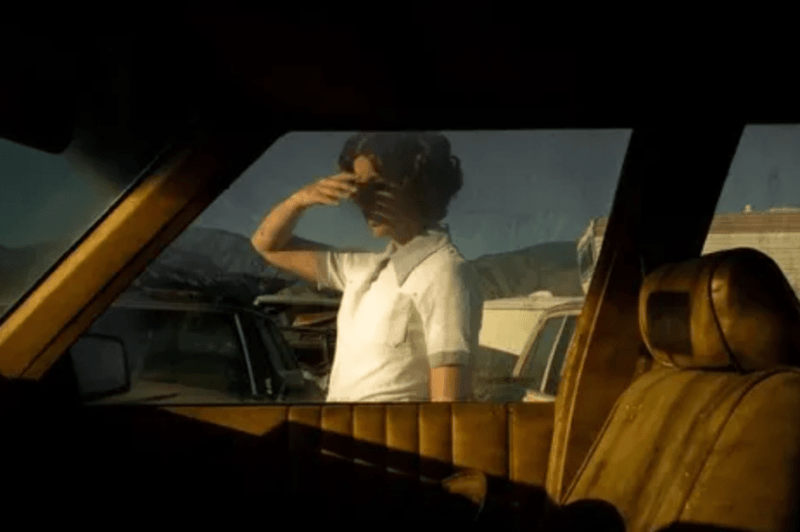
374, 193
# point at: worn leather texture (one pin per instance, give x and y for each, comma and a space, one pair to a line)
705, 447
710, 437
732, 309
360, 461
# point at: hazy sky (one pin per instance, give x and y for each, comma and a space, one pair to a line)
520, 188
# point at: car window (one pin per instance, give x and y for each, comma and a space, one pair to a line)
47, 203
557, 362
526, 198
759, 206
537, 358
199, 350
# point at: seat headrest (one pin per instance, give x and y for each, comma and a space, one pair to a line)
732, 309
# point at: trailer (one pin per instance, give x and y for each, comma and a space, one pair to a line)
775, 232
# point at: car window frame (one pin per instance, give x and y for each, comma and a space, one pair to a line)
246, 353
531, 343
552, 353
546, 376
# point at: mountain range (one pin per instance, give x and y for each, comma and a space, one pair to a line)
223, 263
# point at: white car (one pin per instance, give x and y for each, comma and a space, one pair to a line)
523, 345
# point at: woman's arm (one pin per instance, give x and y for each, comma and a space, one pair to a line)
274, 240
451, 312
451, 383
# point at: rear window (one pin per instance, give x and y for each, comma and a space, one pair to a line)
759, 206
760, 203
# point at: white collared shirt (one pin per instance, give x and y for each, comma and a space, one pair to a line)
403, 312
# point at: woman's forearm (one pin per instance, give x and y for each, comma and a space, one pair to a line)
275, 230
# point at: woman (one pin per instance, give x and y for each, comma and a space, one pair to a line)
409, 317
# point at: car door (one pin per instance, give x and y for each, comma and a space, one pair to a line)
166, 200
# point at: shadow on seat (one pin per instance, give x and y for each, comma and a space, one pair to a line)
711, 434
709, 439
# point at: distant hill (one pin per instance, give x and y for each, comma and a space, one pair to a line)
212, 260
219, 250
224, 263
550, 266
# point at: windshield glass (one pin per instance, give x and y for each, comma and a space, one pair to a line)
47, 203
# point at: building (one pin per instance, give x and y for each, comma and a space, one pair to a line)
775, 232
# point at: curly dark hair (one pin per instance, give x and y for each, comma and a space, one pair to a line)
419, 160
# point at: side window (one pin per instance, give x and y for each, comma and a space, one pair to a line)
759, 206
557, 362
526, 215
535, 363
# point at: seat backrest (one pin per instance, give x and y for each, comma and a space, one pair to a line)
711, 434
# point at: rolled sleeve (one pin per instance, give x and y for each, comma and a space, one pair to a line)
449, 358
331, 271
336, 267
451, 316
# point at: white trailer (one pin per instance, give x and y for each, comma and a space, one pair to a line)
775, 232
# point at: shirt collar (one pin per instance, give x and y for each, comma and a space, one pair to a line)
406, 258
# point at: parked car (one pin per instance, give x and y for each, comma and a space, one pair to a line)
308, 323
523, 341
523, 345
174, 347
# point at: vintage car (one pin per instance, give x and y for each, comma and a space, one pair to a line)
172, 347
308, 323
523, 346
679, 404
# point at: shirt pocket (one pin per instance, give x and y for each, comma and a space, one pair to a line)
397, 328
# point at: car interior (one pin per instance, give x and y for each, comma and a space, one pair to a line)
679, 403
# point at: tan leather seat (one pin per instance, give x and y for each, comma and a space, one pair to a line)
711, 435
